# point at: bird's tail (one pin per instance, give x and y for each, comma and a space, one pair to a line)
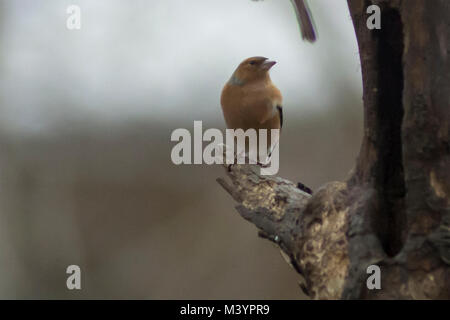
305, 20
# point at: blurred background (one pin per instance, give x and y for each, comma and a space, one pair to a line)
85, 123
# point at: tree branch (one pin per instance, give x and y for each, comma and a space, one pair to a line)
310, 230
272, 204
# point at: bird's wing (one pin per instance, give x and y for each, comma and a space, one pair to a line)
280, 113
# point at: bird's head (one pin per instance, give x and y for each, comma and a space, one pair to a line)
252, 69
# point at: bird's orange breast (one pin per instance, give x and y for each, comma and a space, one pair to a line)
251, 106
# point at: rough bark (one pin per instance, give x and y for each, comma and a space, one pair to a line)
394, 210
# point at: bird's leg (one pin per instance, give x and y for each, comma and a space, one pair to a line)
226, 155
272, 147
241, 155
265, 163
236, 156
267, 160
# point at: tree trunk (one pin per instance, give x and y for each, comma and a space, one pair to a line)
394, 211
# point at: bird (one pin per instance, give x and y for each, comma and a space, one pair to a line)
250, 100
305, 20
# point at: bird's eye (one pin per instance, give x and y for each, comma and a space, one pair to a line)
252, 62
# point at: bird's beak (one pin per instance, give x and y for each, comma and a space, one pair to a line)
268, 64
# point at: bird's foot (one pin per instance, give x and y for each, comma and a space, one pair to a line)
265, 163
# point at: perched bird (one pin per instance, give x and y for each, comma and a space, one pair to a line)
305, 20
250, 100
